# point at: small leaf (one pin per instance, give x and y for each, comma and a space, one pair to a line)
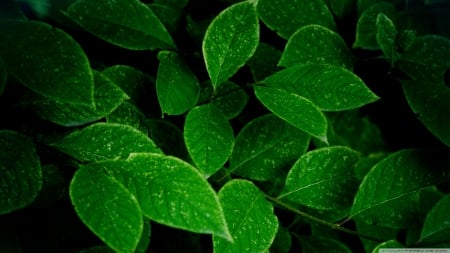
230, 40
294, 109
316, 44
287, 16
250, 217
330, 88
20, 171
405, 39
63, 75
264, 61
103, 141
177, 87
386, 35
170, 191
107, 208
323, 179
265, 146
437, 223
209, 138
108, 21
315, 244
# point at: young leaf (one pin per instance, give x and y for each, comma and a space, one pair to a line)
108, 21
265, 146
287, 16
250, 217
230, 40
20, 171
323, 179
294, 109
437, 224
170, 191
107, 208
264, 61
330, 88
103, 141
316, 44
209, 138
177, 87
386, 35
63, 75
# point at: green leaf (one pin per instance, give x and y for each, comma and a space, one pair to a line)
209, 138
57, 68
264, 61
294, 109
386, 37
405, 39
316, 44
230, 40
250, 217
180, 4
128, 114
379, 233
107, 97
109, 20
170, 191
265, 146
177, 87
343, 8
144, 241
168, 137
323, 179
101, 141
282, 242
366, 28
20, 171
391, 244
436, 227
330, 88
318, 244
391, 187
287, 16
109, 210
429, 100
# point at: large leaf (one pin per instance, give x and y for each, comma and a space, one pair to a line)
294, 109
20, 171
323, 179
103, 141
209, 138
330, 88
316, 44
230, 40
170, 191
287, 16
265, 146
107, 208
437, 224
110, 21
48, 61
250, 217
177, 87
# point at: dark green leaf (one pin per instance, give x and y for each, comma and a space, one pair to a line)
107, 208
282, 242
294, 109
170, 16
110, 21
180, 4
128, 114
391, 244
98, 249
405, 39
250, 217
379, 233
20, 171
316, 44
264, 61
318, 244
168, 137
10, 11
144, 242
48, 61
437, 224
209, 138
230, 40
265, 146
386, 37
342, 8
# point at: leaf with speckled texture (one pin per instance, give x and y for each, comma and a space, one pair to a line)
396, 180
3, 76
20, 171
323, 179
287, 16
436, 227
317, 244
294, 109
264, 61
230, 40
386, 37
64, 74
107, 208
170, 191
252, 223
101, 141
330, 88
265, 146
177, 87
110, 21
316, 44
209, 138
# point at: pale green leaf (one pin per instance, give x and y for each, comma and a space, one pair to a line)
386, 37
230, 40
319, 244
20, 171
436, 227
252, 223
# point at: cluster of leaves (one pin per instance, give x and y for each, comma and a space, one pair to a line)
232, 126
